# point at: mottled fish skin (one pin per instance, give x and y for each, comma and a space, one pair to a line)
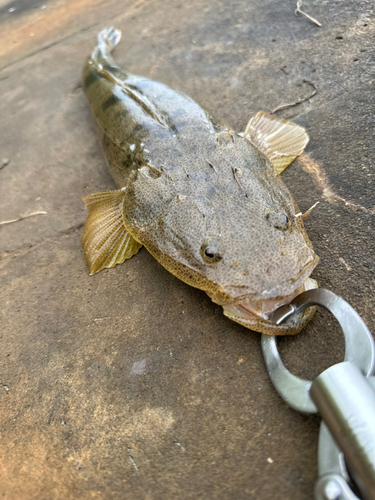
195, 189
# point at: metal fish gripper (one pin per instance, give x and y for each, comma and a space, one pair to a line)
344, 396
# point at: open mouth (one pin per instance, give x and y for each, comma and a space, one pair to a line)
251, 311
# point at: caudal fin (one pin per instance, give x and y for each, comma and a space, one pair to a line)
106, 42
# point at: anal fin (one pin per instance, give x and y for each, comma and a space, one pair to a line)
280, 140
105, 239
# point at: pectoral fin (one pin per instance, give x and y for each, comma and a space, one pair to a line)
281, 141
105, 240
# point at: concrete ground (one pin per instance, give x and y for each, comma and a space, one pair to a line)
130, 384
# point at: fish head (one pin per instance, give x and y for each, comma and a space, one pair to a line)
256, 263
260, 263
241, 242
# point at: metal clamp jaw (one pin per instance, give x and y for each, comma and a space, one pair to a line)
344, 395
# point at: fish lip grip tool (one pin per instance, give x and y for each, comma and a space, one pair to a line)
344, 395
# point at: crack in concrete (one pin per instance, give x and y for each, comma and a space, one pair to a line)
67, 37
26, 247
46, 47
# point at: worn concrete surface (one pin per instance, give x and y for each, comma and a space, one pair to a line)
130, 384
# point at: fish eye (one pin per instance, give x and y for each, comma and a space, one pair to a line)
284, 219
209, 252
278, 220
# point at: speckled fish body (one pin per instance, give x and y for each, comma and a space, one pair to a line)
203, 200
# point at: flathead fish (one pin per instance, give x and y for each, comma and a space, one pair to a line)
206, 202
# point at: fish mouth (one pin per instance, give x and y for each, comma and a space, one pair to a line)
254, 314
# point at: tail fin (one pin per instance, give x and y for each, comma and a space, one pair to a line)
107, 41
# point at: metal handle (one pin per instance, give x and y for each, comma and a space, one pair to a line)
346, 402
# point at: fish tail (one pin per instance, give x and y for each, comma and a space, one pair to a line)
100, 64
106, 42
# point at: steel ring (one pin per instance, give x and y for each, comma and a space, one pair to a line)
359, 346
